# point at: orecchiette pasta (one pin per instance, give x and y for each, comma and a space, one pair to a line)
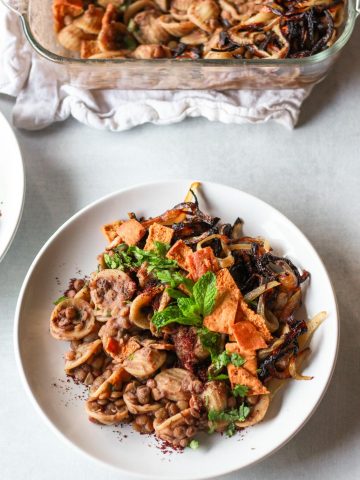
193, 29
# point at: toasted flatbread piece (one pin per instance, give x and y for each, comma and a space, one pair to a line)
158, 233
241, 376
131, 231
202, 261
223, 316
109, 230
247, 336
181, 253
244, 312
250, 357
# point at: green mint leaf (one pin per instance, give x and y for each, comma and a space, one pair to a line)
194, 444
237, 360
210, 341
171, 314
174, 279
60, 299
174, 293
188, 307
204, 293
240, 390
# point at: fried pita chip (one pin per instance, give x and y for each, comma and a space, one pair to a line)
244, 312
247, 336
202, 261
250, 357
241, 376
131, 231
223, 316
109, 230
158, 233
180, 252
119, 351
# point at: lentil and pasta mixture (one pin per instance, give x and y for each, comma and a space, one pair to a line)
194, 29
186, 325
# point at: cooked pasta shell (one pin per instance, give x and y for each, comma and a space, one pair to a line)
151, 51
110, 290
90, 21
176, 29
179, 8
137, 7
213, 42
170, 382
144, 362
260, 19
137, 315
113, 37
82, 354
115, 343
70, 37
215, 396
197, 37
212, 55
258, 412
72, 319
111, 380
148, 28
106, 405
204, 14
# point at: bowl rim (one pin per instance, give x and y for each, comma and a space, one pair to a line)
17, 316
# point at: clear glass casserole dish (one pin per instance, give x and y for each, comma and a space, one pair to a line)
130, 74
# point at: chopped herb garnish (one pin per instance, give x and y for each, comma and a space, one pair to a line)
231, 430
240, 390
60, 299
221, 361
127, 257
233, 415
194, 444
189, 310
221, 376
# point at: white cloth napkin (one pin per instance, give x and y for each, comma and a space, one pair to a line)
42, 98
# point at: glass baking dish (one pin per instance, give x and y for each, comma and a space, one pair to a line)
130, 74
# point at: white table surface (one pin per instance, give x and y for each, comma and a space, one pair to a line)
311, 174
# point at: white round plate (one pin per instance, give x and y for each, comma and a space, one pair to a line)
12, 186
74, 247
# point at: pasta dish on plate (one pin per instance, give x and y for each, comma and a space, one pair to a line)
186, 325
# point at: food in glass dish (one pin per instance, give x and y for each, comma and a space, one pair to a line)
186, 325
193, 29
